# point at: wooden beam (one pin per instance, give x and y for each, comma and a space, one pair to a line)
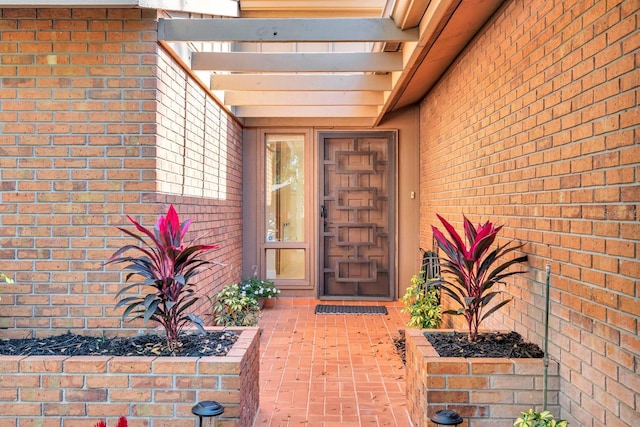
306, 111
284, 30
297, 62
305, 82
303, 98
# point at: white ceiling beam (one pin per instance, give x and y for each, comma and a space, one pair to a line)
297, 82
306, 111
303, 98
297, 62
283, 30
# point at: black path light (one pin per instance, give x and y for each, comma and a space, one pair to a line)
447, 417
207, 409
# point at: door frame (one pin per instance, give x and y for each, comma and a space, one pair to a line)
392, 202
262, 245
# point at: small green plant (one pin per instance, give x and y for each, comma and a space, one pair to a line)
234, 307
5, 278
539, 419
165, 265
258, 288
422, 302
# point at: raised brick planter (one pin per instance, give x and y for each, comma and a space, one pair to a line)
59, 391
486, 392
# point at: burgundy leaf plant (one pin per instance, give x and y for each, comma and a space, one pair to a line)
166, 266
122, 422
471, 271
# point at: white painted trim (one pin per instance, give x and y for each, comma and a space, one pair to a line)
228, 8
408, 13
284, 30
297, 82
311, 5
69, 3
297, 62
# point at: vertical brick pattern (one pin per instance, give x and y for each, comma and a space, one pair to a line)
88, 134
536, 127
484, 391
150, 391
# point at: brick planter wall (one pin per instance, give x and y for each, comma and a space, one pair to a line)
486, 392
77, 391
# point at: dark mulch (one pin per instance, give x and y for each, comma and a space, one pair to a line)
192, 344
400, 342
490, 344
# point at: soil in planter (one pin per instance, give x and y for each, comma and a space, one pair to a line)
456, 344
489, 344
195, 345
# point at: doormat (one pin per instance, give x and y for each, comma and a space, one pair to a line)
350, 309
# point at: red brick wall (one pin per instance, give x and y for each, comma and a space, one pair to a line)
536, 127
84, 141
485, 391
79, 391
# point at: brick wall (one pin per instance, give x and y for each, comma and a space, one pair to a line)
536, 127
98, 122
78, 391
485, 392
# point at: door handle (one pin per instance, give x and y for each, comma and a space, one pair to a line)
323, 211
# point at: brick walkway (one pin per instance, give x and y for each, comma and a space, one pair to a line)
330, 370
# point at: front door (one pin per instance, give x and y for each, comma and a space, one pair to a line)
357, 223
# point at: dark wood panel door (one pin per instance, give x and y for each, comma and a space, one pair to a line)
357, 224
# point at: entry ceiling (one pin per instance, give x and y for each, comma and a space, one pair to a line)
354, 60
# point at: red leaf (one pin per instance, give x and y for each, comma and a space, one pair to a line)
101, 423
122, 422
457, 241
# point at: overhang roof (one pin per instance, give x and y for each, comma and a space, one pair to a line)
344, 61
341, 61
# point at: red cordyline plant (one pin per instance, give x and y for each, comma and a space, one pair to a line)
474, 270
122, 422
166, 264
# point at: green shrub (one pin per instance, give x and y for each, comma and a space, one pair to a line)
233, 306
539, 419
422, 302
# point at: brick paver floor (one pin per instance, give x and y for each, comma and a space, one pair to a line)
331, 369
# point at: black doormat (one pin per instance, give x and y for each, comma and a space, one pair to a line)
350, 309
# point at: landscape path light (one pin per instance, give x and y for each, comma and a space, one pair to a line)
447, 417
207, 409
